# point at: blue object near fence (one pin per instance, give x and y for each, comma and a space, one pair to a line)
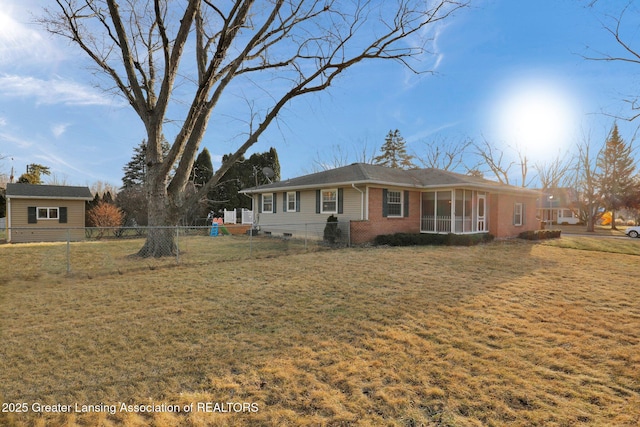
214, 230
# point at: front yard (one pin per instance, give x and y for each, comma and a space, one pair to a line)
509, 333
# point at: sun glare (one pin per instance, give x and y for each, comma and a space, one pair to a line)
536, 116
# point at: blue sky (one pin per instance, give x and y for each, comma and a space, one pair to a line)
496, 63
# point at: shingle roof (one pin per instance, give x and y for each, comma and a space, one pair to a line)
364, 173
47, 192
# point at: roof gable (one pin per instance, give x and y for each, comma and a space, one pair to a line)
33, 191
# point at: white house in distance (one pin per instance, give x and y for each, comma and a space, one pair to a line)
377, 200
45, 213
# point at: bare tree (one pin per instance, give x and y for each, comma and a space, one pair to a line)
625, 40
153, 49
494, 159
586, 183
500, 162
555, 173
339, 156
443, 154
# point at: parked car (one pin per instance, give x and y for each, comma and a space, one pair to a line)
633, 231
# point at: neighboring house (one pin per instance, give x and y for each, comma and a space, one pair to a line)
45, 213
559, 206
376, 200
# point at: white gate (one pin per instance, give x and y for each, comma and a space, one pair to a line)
229, 216
247, 216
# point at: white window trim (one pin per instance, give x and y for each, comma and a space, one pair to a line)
57, 209
264, 196
322, 211
401, 215
290, 199
518, 213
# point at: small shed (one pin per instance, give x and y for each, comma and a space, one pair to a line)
45, 213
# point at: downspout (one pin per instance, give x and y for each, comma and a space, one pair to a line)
361, 201
7, 222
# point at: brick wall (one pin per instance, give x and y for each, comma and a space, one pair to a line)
366, 231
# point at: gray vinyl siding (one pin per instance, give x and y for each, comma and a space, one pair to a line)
294, 222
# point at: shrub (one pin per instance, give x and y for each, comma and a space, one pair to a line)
105, 215
540, 234
331, 231
421, 239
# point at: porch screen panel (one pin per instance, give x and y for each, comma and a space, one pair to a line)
428, 211
459, 212
468, 211
443, 211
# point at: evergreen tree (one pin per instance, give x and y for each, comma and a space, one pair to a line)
245, 173
616, 173
202, 168
34, 173
394, 152
135, 172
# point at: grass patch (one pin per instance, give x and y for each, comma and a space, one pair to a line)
508, 333
626, 246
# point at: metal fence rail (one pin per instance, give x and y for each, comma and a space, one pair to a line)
107, 250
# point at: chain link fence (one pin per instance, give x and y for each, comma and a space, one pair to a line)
34, 252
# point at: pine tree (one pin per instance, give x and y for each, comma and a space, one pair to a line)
394, 152
616, 177
245, 173
135, 172
34, 173
202, 168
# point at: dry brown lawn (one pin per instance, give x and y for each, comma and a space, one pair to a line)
510, 333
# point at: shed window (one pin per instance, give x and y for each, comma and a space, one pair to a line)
48, 213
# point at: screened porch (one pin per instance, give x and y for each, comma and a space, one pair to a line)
453, 211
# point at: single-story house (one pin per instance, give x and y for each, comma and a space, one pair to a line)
559, 206
45, 213
376, 200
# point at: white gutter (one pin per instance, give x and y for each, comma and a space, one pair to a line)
361, 201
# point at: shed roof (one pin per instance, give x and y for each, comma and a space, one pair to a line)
33, 191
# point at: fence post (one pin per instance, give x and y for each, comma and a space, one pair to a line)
68, 250
177, 244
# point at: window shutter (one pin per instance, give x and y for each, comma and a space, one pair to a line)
297, 201
259, 203
318, 201
406, 203
340, 200
284, 202
524, 209
385, 208
32, 218
275, 202
62, 213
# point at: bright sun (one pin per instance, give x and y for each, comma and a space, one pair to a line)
537, 117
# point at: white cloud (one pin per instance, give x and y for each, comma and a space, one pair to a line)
21, 42
58, 129
55, 91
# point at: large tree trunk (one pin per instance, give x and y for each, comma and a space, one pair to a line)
162, 218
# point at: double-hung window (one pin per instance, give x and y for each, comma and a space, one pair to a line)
394, 203
267, 203
518, 214
291, 201
329, 201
